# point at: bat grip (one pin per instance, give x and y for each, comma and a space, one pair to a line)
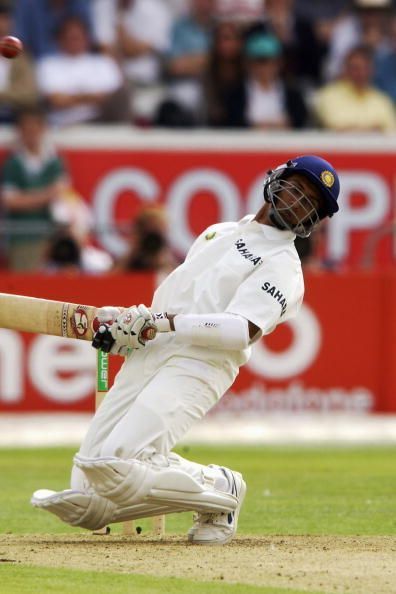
149, 333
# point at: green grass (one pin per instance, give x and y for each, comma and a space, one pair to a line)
339, 491
290, 490
33, 580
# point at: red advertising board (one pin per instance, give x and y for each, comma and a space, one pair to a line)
339, 354
200, 185
200, 188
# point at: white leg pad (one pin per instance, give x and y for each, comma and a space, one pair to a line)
142, 510
86, 510
127, 482
121, 481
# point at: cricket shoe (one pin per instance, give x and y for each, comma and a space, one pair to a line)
219, 528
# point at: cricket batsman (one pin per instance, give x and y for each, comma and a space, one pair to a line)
237, 283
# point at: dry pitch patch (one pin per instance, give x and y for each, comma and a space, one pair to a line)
353, 565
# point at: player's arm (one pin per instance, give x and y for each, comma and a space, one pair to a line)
20, 200
253, 329
218, 330
133, 327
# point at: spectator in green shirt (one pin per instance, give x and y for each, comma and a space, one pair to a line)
33, 178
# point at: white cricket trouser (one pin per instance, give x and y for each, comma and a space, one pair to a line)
156, 397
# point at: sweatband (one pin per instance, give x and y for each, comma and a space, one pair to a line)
162, 322
218, 330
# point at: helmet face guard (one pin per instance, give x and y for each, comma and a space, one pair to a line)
297, 214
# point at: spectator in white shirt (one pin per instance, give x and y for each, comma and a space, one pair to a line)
244, 11
138, 33
79, 85
139, 28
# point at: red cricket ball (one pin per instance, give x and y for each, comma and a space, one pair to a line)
10, 47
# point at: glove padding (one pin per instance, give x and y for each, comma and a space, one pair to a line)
132, 328
118, 333
108, 314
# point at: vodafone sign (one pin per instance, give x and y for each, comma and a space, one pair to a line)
338, 354
295, 358
61, 370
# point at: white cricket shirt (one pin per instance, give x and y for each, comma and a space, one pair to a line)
243, 268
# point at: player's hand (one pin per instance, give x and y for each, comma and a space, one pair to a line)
104, 341
108, 314
133, 328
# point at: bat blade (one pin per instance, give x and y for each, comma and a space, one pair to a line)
43, 316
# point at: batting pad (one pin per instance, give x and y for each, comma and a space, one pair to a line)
86, 510
128, 482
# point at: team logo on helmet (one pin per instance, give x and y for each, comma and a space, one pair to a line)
327, 178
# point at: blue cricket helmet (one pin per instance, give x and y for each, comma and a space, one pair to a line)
322, 174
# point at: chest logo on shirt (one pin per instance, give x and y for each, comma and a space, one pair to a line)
246, 253
276, 294
210, 235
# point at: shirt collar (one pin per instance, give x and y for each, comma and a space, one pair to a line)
271, 233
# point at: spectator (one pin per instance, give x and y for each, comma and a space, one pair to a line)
385, 66
272, 103
241, 11
224, 80
149, 248
367, 24
73, 215
79, 85
137, 30
70, 252
320, 9
302, 50
352, 103
187, 60
138, 33
33, 178
37, 22
17, 84
63, 254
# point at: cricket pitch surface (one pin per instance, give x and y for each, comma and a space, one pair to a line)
353, 564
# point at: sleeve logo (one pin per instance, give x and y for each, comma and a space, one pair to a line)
246, 253
276, 294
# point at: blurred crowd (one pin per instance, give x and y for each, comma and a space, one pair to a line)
247, 64
268, 64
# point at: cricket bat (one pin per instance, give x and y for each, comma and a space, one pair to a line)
43, 316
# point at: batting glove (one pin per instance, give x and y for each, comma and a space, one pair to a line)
133, 328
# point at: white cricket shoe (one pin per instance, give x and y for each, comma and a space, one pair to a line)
215, 528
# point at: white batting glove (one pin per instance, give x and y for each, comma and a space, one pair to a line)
133, 328
108, 314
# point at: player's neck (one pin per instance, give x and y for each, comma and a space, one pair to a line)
263, 217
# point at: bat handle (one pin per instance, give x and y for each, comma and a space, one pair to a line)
149, 333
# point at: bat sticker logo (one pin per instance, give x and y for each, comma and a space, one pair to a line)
128, 318
79, 321
65, 308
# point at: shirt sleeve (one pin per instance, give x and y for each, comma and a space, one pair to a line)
271, 295
11, 181
50, 78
